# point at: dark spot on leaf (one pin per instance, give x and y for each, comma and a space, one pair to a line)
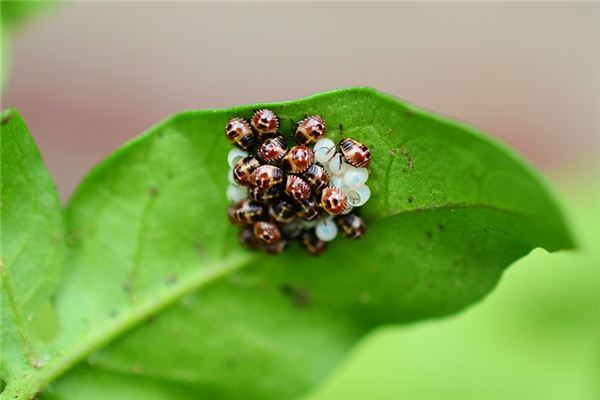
171, 279
73, 237
2, 385
429, 234
200, 250
364, 297
441, 227
298, 296
6, 118
341, 128
136, 369
152, 191
410, 162
127, 287
411, 198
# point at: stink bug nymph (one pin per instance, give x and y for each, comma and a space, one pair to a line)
282, 211
312, 243
267, 176
351, 225
239, 133
248, 239
308, 209
264, 195
265, 122
248, 212
243, 170
272, 149
317, 177
231, 216
356, 153
298, 159
297, 188
267, 232
310, 130
333, 200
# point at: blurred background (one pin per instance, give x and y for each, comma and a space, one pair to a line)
89, 76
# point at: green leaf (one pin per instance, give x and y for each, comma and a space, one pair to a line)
161, 302
31, 247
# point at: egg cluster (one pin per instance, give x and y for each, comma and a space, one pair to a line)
281, 191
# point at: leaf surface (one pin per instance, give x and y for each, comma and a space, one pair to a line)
161, 301
31, 247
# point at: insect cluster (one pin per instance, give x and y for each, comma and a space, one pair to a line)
280, 191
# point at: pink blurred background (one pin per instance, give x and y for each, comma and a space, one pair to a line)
89, 76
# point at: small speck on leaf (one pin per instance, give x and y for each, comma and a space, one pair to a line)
153, 191
298, 296
410, 161
200, 250
73, 237
127, 287
136, 369
364, 297
6, 118
171, 279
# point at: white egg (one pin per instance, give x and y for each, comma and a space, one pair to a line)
337, 181
325, 143
348, 209
236, 193
337, 165
230, 177
359, 196
326, 230
235, 155
324, 150
355, 177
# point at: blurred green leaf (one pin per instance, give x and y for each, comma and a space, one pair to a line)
536, 337
31, 246
156, 280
